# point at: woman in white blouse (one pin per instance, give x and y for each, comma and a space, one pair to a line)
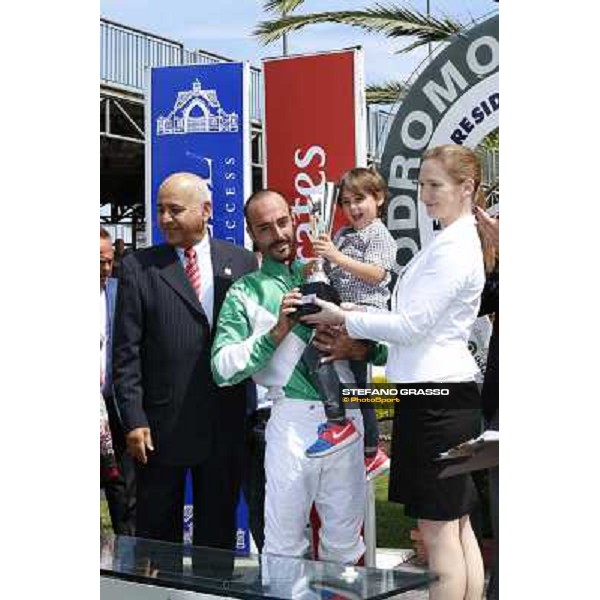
434, 305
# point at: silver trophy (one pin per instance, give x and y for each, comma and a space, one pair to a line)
321, 210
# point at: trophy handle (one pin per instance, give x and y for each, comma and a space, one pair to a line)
334, 199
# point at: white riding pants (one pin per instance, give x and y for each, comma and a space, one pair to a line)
336, 484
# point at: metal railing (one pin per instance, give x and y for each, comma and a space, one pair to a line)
490, 164
125, 52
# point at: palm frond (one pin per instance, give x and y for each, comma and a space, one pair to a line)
385, 93
282, 6
491, 141
392, 21
413, 45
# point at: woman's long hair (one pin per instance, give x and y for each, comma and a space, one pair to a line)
461, 164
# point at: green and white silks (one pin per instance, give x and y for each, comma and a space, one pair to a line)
243, 347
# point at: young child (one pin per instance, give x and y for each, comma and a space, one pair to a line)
359, 265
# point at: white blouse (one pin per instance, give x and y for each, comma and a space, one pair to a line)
434, 305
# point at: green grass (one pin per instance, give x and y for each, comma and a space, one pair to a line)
105, 525
393, 526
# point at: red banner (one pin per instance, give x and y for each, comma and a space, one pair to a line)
314, 126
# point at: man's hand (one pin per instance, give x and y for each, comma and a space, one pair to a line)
289, 304
338, 345
138, 440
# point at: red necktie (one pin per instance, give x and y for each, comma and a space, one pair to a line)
192, 270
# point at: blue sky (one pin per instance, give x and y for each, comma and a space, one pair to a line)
225, 27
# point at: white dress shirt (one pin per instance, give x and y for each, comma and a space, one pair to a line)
434, 305
207, 281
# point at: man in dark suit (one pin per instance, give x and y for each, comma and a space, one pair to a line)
175, 417
120, 489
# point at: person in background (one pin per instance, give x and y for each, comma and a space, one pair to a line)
119, 488
174, 416
434, 305
108, 463
257, 337
489, 228
120, 252
359, 265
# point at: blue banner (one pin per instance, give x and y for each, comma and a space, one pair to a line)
242, 520
242, 531
198, 116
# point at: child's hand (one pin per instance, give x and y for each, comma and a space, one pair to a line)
325, 248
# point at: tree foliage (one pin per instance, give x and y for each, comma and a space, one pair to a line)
394, 22
385, 93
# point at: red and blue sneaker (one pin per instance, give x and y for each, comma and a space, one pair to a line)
332, 437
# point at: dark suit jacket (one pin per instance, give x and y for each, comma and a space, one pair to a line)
161, 356
489, 394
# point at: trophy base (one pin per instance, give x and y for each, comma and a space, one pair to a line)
321, 290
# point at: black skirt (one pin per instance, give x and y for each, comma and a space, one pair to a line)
420, 433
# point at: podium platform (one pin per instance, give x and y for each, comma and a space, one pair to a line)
139, 569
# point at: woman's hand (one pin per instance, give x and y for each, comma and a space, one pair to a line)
489, 227
325, 248
330, 314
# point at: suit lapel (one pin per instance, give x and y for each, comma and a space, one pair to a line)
171, 270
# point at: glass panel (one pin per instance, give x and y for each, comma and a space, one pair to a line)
220, 572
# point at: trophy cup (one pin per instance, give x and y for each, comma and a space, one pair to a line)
321, 208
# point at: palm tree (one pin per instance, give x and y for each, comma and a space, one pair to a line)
393, 21
282, 7
385, 93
